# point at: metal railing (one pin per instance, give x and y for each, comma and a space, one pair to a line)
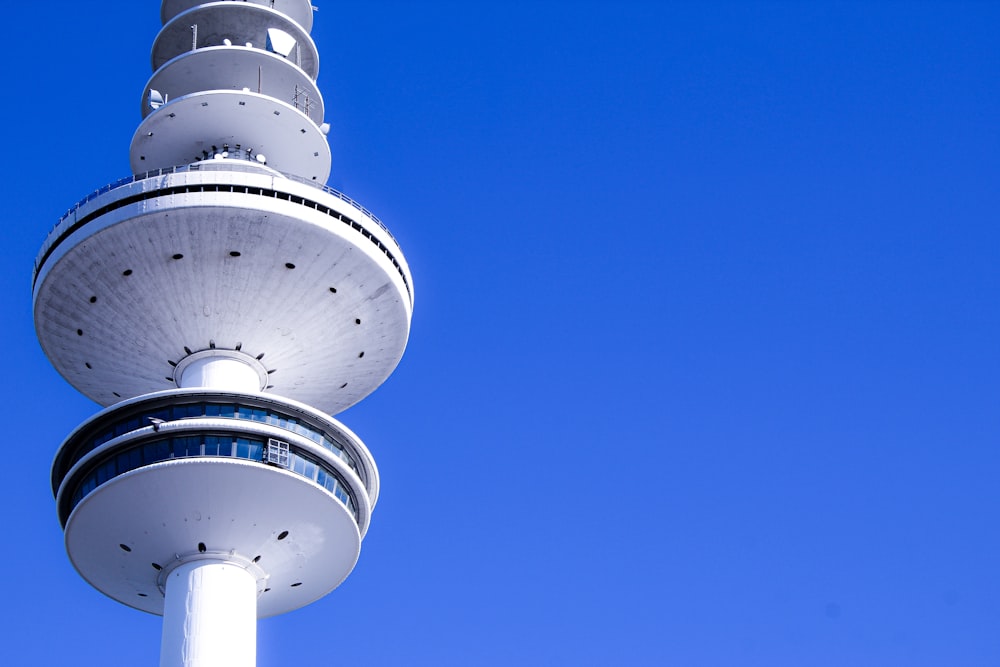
235, 166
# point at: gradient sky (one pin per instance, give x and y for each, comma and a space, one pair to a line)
703, 368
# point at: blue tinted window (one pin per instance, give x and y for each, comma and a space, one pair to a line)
211, 446
156, 451
243, 448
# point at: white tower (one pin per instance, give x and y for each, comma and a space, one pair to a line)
222, 302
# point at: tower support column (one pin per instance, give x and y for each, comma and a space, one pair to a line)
209, 616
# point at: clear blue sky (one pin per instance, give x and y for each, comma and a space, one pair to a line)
704, 363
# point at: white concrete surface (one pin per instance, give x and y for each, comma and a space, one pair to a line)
209, 616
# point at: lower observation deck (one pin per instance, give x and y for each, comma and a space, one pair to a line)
265, 483
223, 254
191, 423
296, 539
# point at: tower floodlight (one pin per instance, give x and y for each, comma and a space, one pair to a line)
221, 305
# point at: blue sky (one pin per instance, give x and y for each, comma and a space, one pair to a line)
703, 368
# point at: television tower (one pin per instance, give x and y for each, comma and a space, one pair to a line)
221, 303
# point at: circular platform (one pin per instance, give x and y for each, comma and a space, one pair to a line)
236, 68
136, 432
240, 23
141, 276
202, 124
300, 11
301, 542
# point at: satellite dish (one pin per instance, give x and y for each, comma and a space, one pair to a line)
155, 99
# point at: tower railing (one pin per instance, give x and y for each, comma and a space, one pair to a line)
187, 168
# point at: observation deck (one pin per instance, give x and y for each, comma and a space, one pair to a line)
224, 254
303, 473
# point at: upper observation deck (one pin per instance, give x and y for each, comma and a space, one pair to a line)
226, 255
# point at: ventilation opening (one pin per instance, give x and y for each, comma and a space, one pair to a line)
283, 534
124, 547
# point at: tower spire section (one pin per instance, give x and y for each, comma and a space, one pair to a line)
222, 303
241, 77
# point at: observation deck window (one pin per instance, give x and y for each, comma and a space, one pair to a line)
212, 409
216, 446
